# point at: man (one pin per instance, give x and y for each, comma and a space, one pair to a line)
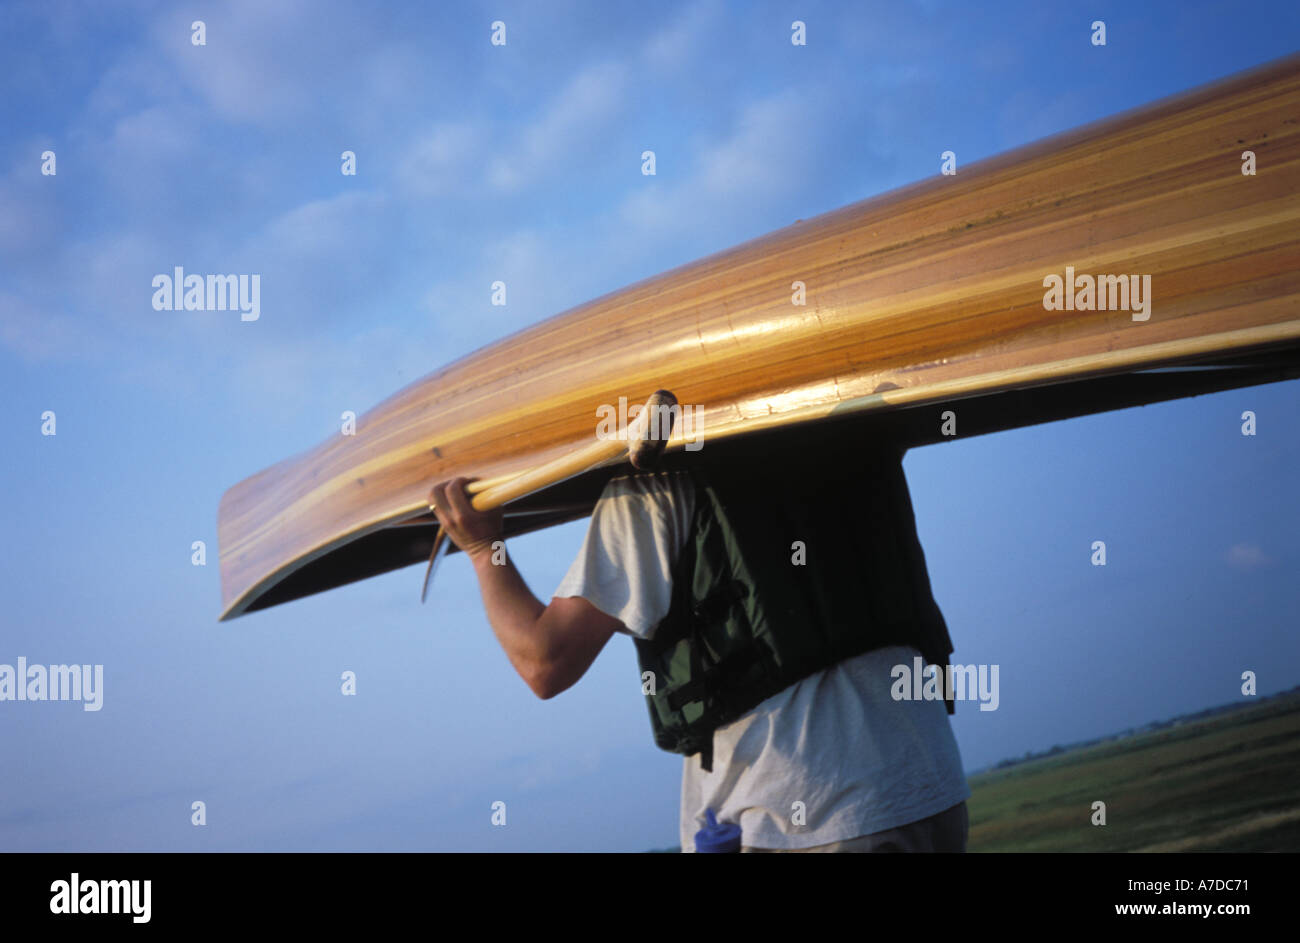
772, 596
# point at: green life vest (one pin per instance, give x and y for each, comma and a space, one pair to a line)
749, 618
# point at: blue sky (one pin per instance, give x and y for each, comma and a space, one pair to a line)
522, 163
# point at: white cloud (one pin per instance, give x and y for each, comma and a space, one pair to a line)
154, 132
769, 152
1246, 556
274, 64
40, 335
444, 160
570, 123
540, 281
28, 207
246, 70
322, 227
675, 45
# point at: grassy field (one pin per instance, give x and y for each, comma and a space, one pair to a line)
1225, 783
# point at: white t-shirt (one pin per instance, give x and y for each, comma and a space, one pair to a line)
837, 743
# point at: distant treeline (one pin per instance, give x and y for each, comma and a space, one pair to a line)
1147, 728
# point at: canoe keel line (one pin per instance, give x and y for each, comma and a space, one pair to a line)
1061, 279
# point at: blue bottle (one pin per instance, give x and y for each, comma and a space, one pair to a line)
717, 837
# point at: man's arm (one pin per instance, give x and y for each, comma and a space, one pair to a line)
550, 646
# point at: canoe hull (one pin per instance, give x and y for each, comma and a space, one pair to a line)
931, 294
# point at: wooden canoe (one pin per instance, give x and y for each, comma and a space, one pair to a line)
929, 296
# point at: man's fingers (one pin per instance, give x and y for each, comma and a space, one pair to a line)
453, 507
437, 497
466, 526
457, 499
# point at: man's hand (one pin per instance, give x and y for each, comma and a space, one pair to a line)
472, 531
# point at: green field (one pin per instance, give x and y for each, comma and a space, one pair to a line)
1230, 782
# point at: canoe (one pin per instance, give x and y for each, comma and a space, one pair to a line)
948, 293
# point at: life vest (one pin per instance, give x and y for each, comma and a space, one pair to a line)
752, 612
